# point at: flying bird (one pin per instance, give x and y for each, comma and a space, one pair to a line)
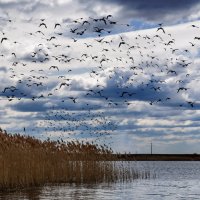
161, 28
3, 39
73, 99
54, 67
43, 24
182, 88
57, 24
63, 84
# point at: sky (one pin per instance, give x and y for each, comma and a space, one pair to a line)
124, 73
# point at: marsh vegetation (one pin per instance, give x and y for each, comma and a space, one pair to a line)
26, 161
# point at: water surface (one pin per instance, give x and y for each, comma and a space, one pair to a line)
174, 180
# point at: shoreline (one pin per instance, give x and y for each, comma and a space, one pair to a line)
157, 157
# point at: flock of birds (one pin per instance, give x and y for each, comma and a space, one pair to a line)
118, 70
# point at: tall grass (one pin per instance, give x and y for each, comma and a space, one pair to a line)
26, 161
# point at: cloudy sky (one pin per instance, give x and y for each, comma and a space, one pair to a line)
121, 72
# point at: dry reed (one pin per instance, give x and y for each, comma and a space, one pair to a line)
26, 161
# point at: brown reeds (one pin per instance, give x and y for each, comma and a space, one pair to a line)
26, 161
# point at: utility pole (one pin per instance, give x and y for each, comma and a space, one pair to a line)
151, 148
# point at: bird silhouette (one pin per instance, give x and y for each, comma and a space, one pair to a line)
182, 88
161, 28
43, 24
54, 67
63, 84
3, 39
56, 25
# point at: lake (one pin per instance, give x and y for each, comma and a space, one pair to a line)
174, 180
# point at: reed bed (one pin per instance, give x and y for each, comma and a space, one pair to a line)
26, 161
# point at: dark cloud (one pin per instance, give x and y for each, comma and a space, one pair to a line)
3, 69
24, 6
154, 10
168, 6
38, 106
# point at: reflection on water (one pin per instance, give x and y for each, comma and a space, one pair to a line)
28, 194
175, 180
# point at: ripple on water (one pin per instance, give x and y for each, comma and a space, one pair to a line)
175, 180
